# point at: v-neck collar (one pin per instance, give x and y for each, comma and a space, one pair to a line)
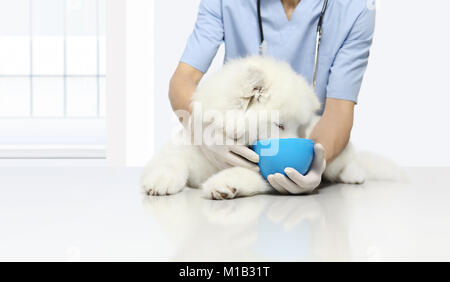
283, 16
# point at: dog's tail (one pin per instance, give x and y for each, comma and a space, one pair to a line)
377, 167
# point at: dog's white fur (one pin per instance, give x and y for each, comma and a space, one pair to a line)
249, 86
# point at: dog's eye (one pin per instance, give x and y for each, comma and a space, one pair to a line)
258, 89
280, 126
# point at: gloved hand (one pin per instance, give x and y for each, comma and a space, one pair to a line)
225, 156
297, 183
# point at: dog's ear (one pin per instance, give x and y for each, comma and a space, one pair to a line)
254, 87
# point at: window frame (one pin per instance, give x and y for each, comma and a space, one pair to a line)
129, 93
16, 143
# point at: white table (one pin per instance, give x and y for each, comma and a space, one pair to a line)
96, 213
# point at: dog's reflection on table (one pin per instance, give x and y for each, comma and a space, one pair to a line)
261, 228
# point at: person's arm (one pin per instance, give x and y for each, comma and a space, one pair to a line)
332, 132
201, 48
331, 135
334, 128
182, 86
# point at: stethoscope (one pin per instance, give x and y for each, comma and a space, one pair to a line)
318, 37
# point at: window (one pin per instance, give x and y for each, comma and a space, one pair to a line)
52, 75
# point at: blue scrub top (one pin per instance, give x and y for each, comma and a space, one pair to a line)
348, 28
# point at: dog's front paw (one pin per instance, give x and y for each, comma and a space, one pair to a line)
161, 182
218, 188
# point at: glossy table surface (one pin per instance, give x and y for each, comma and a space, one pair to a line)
98, 213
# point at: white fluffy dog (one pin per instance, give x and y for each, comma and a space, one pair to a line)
249, 87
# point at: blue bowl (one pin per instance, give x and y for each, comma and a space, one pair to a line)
275, 155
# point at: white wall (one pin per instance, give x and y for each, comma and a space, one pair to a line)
130, 66
403, 108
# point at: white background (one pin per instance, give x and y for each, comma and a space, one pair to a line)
403, 108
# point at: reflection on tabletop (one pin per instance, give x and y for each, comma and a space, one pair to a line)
376, 221
264, 227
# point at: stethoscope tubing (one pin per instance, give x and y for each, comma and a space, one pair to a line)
318, 36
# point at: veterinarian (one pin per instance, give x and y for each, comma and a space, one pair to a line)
290, 32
